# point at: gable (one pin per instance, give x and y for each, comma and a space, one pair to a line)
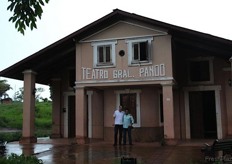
115, 25
124, 30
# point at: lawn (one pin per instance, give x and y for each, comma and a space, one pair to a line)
11, 117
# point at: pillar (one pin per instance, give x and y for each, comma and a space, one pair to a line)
81, 116
90, 124
56, 108
168, 111
28, 134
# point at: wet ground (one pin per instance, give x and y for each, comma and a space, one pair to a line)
64, 152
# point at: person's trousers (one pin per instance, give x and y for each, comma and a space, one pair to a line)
127, 131
118, 130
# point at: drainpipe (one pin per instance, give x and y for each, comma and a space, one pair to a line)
179, 97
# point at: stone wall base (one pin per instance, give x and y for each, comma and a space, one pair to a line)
25, 140
55, 136
82, 140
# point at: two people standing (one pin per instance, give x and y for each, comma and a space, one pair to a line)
123, 122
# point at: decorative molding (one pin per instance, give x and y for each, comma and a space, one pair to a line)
29, 71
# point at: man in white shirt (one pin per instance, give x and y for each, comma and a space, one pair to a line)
118, 125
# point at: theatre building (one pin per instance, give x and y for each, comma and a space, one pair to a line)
176, 82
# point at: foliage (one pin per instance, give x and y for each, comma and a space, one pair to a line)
25, 13
3, 88
19, 159
43, 132
10, 136
162, 139
18, 95
15, 136
51, 93
38, 92
43, 115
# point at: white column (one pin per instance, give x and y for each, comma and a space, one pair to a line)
81, 116
90, 126
168, 111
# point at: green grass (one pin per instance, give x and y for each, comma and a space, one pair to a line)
11, 116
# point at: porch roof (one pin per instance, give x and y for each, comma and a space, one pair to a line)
51, 60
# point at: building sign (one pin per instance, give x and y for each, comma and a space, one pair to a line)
142, 72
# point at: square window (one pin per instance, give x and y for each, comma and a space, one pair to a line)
200, 71
104, 54
139, 50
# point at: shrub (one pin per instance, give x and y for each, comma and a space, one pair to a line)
3, 121
43, 123
43, 133
9, 137
19, 159
15, 136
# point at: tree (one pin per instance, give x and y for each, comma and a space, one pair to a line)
25, 13
51, 93
3, 88
38, 92
18, 96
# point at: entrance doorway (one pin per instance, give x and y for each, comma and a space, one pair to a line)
130, 98
202, 108
71, 117
128, 101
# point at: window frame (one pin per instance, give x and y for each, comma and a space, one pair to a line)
130, 49
211, 74
96, 46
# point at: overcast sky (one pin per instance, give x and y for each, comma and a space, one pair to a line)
63, 17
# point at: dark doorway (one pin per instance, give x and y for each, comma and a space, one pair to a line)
71, 117
128, 101
202, 114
